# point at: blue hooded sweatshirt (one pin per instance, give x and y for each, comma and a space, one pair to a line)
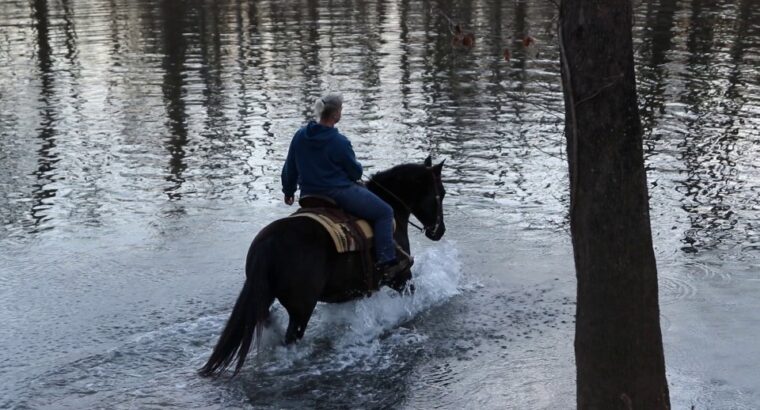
319, 159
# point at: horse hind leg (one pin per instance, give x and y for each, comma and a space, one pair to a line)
299, 313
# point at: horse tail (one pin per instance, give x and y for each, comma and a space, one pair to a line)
247, 319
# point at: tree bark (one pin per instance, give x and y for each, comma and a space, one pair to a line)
618, 342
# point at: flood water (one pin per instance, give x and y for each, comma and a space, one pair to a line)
140, 149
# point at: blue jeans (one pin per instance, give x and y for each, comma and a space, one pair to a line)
358, 200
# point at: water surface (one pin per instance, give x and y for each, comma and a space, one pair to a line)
140, 150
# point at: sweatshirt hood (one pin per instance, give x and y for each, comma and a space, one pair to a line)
317, 132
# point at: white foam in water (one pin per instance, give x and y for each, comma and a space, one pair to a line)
436, 275
354, 327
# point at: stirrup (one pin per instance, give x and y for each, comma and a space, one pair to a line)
389, 272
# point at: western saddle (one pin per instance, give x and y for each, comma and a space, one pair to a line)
349, 233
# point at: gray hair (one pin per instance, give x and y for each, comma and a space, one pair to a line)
325, 107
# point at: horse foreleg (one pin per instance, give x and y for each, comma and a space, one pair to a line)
403, 283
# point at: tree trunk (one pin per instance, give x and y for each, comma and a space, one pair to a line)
618, 343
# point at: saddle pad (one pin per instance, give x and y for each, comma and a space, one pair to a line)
341, 233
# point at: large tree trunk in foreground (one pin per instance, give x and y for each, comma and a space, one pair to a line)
618, 343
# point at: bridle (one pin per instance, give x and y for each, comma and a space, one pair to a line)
439, 215
438, 202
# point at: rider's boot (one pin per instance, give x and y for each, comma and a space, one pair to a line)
388, 270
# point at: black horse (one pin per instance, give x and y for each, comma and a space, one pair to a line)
295, 261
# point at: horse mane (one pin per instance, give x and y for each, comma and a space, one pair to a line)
403, 180
399, 171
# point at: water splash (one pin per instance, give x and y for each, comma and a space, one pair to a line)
355, 327
437, 277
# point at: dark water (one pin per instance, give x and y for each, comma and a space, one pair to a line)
140, 148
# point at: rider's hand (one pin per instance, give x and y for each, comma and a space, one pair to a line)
289, 200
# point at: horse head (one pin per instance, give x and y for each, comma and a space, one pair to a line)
429, 204
414, 189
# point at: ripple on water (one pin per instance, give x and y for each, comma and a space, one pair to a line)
674, 287
699, 271
682, 281
496, 349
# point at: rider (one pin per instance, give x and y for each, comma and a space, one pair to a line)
322, 161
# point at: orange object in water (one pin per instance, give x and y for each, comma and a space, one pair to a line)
456, 40
468, 40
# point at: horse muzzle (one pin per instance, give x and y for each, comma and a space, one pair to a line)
436, 233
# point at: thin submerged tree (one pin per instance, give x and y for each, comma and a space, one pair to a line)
618, 341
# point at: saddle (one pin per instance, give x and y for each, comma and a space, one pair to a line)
349, 233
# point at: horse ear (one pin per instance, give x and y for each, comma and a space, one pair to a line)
428, 161
439, 167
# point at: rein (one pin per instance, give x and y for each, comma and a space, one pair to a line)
408, 209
